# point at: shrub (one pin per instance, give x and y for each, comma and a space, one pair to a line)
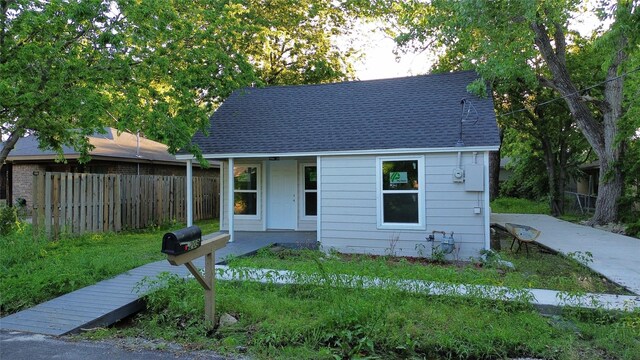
9, 219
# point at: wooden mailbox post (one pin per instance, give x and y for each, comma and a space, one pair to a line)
206, 249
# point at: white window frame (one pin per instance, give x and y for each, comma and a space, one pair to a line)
303, 191
420, 225
258, 192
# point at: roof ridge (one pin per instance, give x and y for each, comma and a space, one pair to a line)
358, 81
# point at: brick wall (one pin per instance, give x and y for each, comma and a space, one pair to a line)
22, 182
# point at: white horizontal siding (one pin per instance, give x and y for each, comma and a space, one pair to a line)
347, 187
307, 225
353, 195
340, 211
349, 206
350, 171
349, 218
353, 179
331, 200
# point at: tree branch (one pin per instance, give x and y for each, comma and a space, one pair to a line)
560, 42
591, 129
543, 81
17, 133
602, 105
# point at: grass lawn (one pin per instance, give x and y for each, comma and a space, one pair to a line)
33, 270
325, 322
508, 205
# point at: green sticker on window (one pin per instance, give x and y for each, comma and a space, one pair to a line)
398, 177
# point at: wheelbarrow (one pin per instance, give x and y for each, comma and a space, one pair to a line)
523, 234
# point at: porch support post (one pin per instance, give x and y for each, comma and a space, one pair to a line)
189, 193
231, 202
318, 199
487, 208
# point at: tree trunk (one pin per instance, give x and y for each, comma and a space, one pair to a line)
9, 145
563, 156
494, 170
494, 175
601, 137
549, 157
610, 179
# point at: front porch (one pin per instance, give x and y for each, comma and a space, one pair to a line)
247, 242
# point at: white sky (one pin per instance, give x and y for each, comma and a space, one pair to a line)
378, 60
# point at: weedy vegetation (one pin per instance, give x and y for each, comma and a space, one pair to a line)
328, 320
34, 269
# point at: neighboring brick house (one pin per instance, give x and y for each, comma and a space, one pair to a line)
113, 153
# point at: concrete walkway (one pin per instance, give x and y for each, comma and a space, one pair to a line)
616, 257
110, 300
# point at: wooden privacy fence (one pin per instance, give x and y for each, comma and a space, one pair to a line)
81, 203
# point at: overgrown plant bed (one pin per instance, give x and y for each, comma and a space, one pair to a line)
331, 322
34, 269
539, 269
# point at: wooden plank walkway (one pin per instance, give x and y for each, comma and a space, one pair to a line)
110, 300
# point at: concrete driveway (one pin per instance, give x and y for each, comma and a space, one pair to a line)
617, 257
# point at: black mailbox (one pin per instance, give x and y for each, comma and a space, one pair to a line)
181, 241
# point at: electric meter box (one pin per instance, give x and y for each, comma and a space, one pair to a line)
474, 177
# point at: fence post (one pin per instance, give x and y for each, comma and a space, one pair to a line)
47, 204
55, 205
39, 202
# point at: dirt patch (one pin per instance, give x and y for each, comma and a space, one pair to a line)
391, 260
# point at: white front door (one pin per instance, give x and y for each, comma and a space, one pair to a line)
281, 195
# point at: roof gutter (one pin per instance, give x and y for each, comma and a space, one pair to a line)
338, 153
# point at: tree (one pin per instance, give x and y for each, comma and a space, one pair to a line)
68, 69
291, 42
501, 39
544, 144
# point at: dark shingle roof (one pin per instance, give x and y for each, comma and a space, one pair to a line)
411, 112
110, 144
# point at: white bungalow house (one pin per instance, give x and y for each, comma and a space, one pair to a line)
371, 166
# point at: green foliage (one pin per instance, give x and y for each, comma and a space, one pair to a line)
9, 220
327, 322
528, 174
630, 132
70, 68
509, 205
290, 42
67, 69
527, 52
33, 269
537, 270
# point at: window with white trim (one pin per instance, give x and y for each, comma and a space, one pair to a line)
245, 187
310, 196
400, 192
